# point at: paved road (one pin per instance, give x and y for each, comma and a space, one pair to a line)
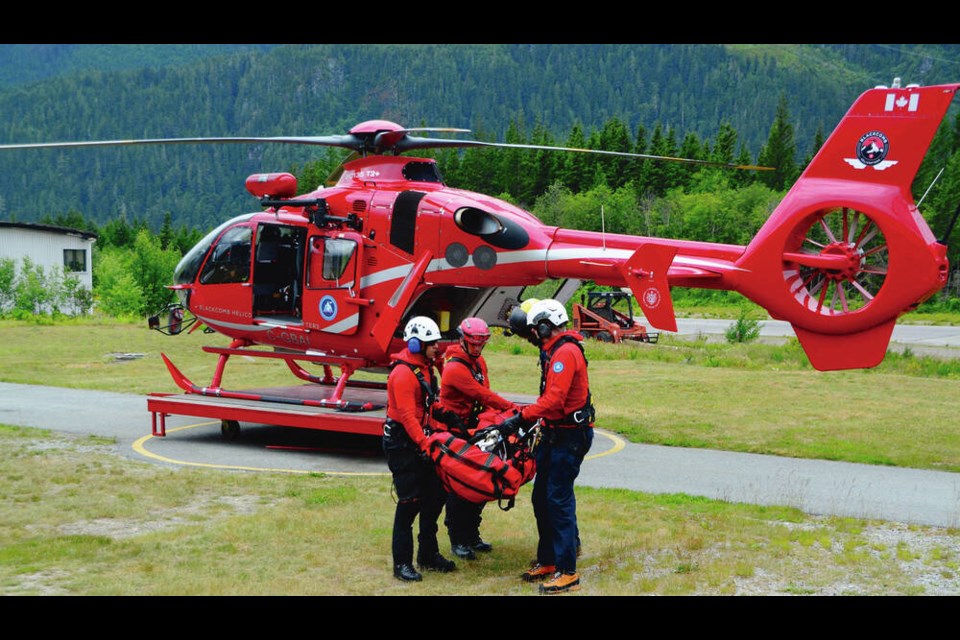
814, 486
919, 338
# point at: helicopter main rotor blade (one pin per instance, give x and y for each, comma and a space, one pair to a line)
395, 141
411, 142
347, 141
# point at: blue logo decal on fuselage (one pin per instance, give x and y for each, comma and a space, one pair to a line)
328, 308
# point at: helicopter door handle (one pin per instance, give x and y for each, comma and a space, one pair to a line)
360, 302
245, 284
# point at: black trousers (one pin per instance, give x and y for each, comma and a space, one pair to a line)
419, 492
463, 520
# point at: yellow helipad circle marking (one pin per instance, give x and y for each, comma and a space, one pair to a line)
139, 447
618, 444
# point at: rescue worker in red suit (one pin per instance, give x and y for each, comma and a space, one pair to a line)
411, 393
464, 395
567, 416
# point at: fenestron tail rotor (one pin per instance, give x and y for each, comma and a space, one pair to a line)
841, 264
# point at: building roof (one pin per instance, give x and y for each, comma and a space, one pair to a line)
49, 228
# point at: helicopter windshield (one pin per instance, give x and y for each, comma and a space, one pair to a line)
189, 266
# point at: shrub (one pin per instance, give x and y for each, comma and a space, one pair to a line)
744, 329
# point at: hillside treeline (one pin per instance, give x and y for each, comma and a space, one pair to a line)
696, 89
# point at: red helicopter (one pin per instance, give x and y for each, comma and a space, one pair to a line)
331, 276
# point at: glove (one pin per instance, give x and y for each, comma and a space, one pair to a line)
513, 424
449, 418
424, 447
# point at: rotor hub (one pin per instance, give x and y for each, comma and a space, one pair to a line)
853, 264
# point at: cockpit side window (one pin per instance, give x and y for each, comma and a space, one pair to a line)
329, 259
229, 260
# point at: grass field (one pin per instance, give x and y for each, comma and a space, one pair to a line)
756, 398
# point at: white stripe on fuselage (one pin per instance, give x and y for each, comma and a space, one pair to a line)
232, 325
546, 255
347, 323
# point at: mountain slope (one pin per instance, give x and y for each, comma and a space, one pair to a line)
262, 90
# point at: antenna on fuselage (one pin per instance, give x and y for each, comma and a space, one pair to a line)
603, 229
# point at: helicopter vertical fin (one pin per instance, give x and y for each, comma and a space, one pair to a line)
884, 136
385, 327
646, 274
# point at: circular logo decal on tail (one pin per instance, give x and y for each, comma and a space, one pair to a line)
328, 308
872, 148
651, 298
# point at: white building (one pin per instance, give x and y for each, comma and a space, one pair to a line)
50, 247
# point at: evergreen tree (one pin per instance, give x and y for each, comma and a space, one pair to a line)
614, 136
674, 173
315, 174
652, 174
478, 168
942, 148
577, 171
725, 145
743, 178
185, 238
818, 140
448, 162
636, 166
693, 149
545, 163
510, 163
595, 173
116, 233
780, 151
166, 231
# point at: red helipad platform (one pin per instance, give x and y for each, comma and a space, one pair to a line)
284, 406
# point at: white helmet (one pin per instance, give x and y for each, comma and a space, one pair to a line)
421, 328
547, 310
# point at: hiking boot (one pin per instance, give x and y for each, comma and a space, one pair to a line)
463, 552
480, 546
436, 562
561, 582
538, 572
406, 572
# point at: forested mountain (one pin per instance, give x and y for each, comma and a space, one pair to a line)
326, 89
25, 63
